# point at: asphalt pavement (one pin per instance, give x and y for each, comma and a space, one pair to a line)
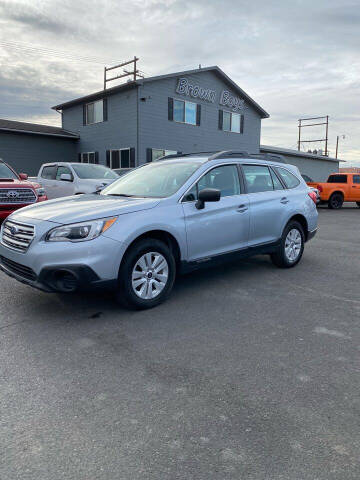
246, 372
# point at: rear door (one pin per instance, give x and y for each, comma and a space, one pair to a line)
269, 203
222, 226
47, 180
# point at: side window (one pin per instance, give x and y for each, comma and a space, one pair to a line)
257, 178
356, 178
225, 179
49, 172
276, 182
191, 194
289, 179
62, 170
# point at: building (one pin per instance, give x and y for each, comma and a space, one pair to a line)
317, 167
26, 146
139, 121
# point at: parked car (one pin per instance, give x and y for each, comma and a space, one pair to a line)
339, 188
64, 178
16, 191
162, 218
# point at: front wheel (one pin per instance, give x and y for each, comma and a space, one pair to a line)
147, 274
291, 246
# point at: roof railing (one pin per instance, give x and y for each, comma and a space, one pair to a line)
229, 153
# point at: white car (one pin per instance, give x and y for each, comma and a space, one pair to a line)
64, 178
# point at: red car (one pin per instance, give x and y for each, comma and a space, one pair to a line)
16, 191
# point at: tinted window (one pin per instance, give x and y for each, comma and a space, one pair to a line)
307, 178
6, 172
289, 179
49, 172
62, 170
257, 178
276, 181
356, 178
225, 179
337, 179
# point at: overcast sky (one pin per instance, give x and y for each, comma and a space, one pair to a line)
296, 58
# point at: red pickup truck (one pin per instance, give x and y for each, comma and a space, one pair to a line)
16, 191
339, 188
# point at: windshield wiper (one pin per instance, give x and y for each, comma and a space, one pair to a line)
120, 195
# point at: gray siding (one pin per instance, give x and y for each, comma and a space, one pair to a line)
26, 152
318, 170
119, 131
156, 131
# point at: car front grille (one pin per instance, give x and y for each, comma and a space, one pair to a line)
17, 236
18, 269
17, 196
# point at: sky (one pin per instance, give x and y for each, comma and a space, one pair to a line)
296, 58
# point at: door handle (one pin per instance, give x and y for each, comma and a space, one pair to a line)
284, 200
242, 208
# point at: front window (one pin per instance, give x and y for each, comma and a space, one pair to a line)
153, 180
6, 172
185, 112
89, 171
95, 112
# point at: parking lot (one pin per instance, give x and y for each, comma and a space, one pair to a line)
248, 371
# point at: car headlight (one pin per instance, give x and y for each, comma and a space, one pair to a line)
40, 191
80, 232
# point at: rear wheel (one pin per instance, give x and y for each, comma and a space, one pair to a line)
146, 275
336, 201
291, 246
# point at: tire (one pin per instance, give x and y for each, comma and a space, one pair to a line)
358, 204
336, 201
147, 291
281, 258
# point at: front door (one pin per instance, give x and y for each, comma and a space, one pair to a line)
47, 180
64, 188
355, 188
221, 226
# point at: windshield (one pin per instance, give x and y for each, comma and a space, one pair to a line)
87, 170
153, 180
6, 172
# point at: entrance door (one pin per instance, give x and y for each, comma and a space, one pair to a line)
221, 226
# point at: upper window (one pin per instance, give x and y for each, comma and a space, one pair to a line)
94, 112
49, 172
356, 178
288, 178
258, 178
337, 179
231, 122
185, 112
62, 170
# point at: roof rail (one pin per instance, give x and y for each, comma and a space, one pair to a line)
269, 157
229, 153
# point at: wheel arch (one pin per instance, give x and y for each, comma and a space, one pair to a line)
337, 191
303, 222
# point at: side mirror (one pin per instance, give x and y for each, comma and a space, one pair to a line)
23, 176
207, 195
66, 177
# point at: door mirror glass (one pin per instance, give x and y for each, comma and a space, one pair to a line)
66, 177
207, 195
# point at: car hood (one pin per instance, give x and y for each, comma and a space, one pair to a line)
17, 184
79, 208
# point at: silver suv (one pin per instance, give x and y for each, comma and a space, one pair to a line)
159, 219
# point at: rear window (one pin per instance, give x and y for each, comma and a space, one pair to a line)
288, 178
337, 179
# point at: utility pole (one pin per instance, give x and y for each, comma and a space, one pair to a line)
302, 125
337, 144
134, 73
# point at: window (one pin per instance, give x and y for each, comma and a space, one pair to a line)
154, 180
337, 179
6, 172
89, 157
184, 112
94, 112
62, 170
231, 122
307, 178
276, 182
98, 172
49, 172
258, 178
289, 179
225, 179
120, 158
356, 178
158, 153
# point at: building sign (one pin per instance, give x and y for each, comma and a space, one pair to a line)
196, 91
184, 87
